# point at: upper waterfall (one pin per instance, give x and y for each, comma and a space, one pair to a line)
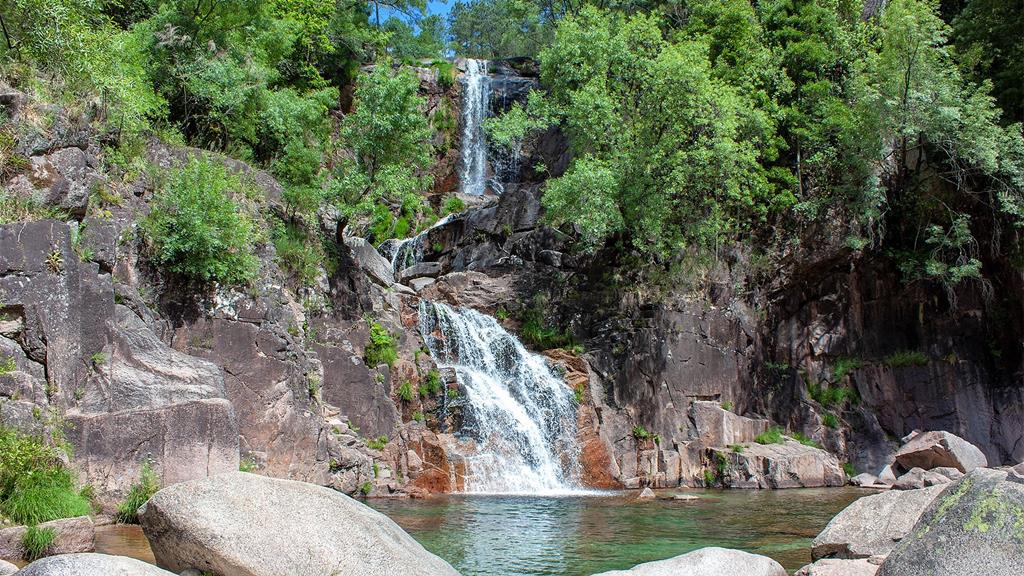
520, 415
476, 93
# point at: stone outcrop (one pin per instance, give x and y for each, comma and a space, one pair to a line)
71, 535
712, 425
91, 565
249, 525
974, 527
787, 465
833, 567
873, 525
709, 561
940, 449
6, 568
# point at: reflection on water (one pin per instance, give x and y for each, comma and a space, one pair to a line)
528, 536
578, 536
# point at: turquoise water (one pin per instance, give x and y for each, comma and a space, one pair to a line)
578, 536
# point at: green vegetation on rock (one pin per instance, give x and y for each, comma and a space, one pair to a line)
381, 347
771, 436
139, 494
35, 486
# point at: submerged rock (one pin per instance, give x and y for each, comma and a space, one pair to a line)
940, 449
975, 527
91, 565
872, 525
711, 561
248, 525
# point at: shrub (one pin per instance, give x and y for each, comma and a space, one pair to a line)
377, 443
366, 488
141, 491
7, 365
247, 465
709, 478
737, 448
538, 332
641, 433
296, 254
45, 494
418, 416
579, 392
905, 358
431, 385
405, 391
727, 405
830, 420
381, 348
844, 366
771, 436
452, 205
833, 396
801, 438
36, 541
196, 230
849, 469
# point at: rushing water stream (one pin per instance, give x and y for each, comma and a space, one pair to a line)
520, 416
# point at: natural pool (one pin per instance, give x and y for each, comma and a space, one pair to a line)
578, 536
581, 535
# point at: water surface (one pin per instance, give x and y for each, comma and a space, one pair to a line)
578, 536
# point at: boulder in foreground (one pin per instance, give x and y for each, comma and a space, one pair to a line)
872, 525
940, 449
711, 561
836, 567
91, 565
6, 568
975, 527
248, 525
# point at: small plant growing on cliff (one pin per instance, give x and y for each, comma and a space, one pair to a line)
377, 443
247, 465
431, 385
641, 433
845, 366
452, 205
7, 365
196, 230
313, 386
709, 478
36, 541
578, 393
501, 313
830, 420
366, 488
141, 491
405, 391
34, 485
727, 406
381, 349
55, 261
97, 360
418, 416
905, 358
801, 438
737, 448
849, 469
772, 435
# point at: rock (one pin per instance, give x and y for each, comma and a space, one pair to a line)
787, 465
418, 284
834, 567
420, 270
886, 476
974, 527
711, 561
366, 256
6, 568
934, 449
91, 565
864, 479
951, 473
919, 478
1019, 468
248, 525
872, 525
646, 494
686, 497
715, 427
73, 535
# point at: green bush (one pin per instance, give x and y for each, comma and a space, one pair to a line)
405, 391
845, 366
737, 448
36, 541
833, 396
7, 365
830, 420
195, 228
45, 494
381, 348
905, 358
801, 438
296, 254
141, 491
849, 469
727, 406
431, 385
452, 205
709, 478
537, 332
418, 416
641, 433
377, 443
771, 436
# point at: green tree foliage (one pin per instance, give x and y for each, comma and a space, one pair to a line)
389, 136
990, 35
197, 230
498, 28
405, 44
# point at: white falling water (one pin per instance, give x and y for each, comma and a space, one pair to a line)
521, 416
410, 251
476, 93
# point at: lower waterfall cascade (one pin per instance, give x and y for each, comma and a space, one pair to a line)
520, 415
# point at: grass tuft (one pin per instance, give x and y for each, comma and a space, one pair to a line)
127, 512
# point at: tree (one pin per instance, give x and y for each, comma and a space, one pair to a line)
990, 34
491, 29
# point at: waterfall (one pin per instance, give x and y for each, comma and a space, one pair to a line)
520, 416
476, 95
409, 251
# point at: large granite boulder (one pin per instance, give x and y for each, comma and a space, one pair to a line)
835, 567
71, 535
975, 527
787, 465
872, 525
715, 426
377, 268
6, 568
940, 449
711, 561
248, 525
91, 565
920, 478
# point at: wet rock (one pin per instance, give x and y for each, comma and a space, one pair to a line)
711, 561
787, 465
646, 494
974, 527
91, 565
72, 535
420, 270
872, 525
248, 525
934, 449
834, 567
